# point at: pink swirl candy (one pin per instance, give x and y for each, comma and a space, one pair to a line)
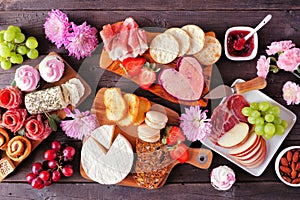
51, 69
27, 78
222, 178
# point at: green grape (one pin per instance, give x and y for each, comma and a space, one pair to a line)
284, 123
6, 65
22, 50
11, 46
259, 129
246, 111
32, 54
16, 29
31, 42
263, 106
20, 37
16, 59
254, 105
277, 120
255, 114
1, 37
9, 35
269, 118
4, 50
251, 120
2, 59
279, 130
259, 121
269, 129
268, 136
274, 110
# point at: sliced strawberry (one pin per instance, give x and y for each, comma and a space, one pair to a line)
133, 66
174, 134
180, 153
146, 78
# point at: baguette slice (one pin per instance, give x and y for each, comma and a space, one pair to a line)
116, 106
144, 107
132, 102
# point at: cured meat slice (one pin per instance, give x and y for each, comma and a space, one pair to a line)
236, 103
13, 119
36, 129
10, 97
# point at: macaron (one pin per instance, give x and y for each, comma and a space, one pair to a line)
147, 133
155, 119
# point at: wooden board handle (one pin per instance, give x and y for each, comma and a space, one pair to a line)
200, 157
253, 84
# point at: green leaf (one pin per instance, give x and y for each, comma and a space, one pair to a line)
52, 124
273, 59
22, 131
55, 118
13, 83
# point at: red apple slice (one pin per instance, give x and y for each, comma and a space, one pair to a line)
252, 148
255, 159
252, 139
251, 153
235, 136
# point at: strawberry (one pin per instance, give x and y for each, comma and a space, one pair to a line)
133, 66
180, 153
147, 76
173, 135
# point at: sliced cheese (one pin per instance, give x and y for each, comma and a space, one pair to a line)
104, 135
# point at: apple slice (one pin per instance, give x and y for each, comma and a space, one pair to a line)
257, 158
251, 153
251, 140
235, 136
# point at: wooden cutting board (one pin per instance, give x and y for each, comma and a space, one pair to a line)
130, 133
113, 66
68, 74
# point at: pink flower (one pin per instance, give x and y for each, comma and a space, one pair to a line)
82, 41
262, 66
82, 124
291, 93
289, 60
281, 46
195, 124
57, 27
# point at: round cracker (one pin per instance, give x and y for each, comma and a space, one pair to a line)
182, 38
211, 51
197, 36
164, 48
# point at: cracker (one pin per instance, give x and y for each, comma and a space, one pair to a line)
197, 38
164, 48
182, 38
211, 51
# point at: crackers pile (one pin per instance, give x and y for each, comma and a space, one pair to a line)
187, 40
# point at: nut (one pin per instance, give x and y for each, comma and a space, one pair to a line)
294, 174
289, 156
286, 170
284, 161
296, 181
287, 179
297, 166
290, 166
293, 165
296, 156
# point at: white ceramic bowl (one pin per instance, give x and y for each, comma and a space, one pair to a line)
277, 162
242, 58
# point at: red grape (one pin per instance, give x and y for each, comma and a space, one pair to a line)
52, 164
69, 152
50, 154
37, 167
67, 171
47, 183
44, 175
55, 145
55, 176
37, 183
30, 177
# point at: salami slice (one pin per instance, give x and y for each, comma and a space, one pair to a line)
10, 97
36, 129
236, 103
13, 119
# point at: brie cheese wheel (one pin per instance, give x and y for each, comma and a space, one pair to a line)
109, 167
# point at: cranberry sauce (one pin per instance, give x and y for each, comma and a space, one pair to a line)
248, 47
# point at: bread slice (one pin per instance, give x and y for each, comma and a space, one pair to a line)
116, 106
132, 102
144, 107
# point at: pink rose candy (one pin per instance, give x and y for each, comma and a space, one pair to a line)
51, 69
27, 78
222, 178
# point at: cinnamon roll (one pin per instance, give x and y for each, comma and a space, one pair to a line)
18, 148
4, 139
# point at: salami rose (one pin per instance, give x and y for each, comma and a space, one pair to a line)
10, 97
13, 119
36, 129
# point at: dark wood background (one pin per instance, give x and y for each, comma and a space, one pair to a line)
185, 181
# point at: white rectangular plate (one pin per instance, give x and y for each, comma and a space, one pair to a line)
272, 144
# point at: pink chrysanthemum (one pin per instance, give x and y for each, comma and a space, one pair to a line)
281, 46
195, 124
80, 126
291, 93
57, 27
262, 66
82, 41
289, 60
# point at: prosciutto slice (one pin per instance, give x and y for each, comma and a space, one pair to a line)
124, 39
10, 97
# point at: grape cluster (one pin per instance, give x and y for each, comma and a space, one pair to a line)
14, 45
57, 164
266, 119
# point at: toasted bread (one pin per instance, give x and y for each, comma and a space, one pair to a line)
132, 102
116, 106
144, 107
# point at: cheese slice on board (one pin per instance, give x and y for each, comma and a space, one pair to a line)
107, 168
104, 134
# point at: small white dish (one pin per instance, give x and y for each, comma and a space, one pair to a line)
277, 163
272, 144
241, 58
